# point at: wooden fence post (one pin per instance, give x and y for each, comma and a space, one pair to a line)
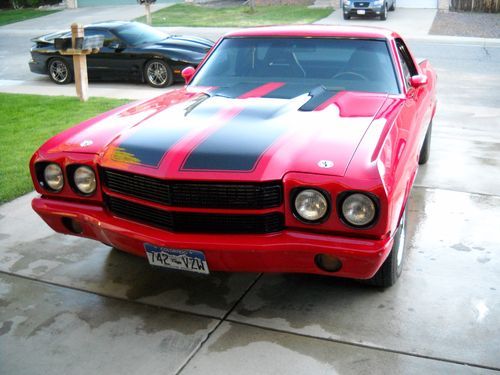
80, 64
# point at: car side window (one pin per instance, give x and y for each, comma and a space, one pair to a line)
409, 68
109, 38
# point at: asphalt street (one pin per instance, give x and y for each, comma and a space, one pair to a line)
79, 307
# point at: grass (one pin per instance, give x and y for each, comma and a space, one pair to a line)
15, 15
196, 15
26, 121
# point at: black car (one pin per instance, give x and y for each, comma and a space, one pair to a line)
131, 50
367, 8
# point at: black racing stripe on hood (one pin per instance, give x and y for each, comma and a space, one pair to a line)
288, 91
147, 145
318, 96
237, 146
236, 90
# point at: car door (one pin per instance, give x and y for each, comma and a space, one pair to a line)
415, 114
113, 60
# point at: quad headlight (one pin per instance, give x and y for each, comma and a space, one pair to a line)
359, 210
53, 177
311, 205
84, 179
378, 3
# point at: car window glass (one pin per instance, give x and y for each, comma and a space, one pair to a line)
301, 64
136, 33
108, 37
409, 69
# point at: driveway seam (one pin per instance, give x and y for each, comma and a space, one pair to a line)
224, 319
365, 346
207, 316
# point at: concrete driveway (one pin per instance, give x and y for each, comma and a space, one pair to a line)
407, 22
74, 306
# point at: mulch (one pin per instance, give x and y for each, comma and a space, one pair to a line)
482, 25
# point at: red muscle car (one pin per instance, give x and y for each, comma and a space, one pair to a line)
291, 149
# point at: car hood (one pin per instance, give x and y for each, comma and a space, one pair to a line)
192, 43
196, 135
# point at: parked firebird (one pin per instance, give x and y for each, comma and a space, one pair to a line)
291, 149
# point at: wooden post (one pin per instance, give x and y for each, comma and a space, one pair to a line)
147, 5
80, 65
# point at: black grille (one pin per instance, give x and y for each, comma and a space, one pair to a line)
190, 194
363, 4
195, 222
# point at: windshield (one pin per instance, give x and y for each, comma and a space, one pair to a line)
301, 64
138, 33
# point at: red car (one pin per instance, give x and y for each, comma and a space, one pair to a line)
291, 149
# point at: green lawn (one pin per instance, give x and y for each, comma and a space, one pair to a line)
26, 121
195, 15
15, 15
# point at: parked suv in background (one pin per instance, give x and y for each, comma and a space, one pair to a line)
370, 8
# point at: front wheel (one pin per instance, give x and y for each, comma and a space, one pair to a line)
158, 74
383, 16
59, 71
393, 6
347, 17
425, 151
391, 269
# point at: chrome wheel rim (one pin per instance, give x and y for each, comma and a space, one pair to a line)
401, 245
385, 11
58, 71
157, 73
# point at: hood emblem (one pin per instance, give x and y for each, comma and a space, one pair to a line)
325, 163
86, 143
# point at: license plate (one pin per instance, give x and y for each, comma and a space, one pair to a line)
187, 260
361, 12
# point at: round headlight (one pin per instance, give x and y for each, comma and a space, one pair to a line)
311, 205
358, 209
53, 177
84, 178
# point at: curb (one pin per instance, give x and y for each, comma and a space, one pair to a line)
456, 40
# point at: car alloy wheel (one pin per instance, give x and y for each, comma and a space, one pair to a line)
383, 16
158, 74
392, 267
59, 71
400, 248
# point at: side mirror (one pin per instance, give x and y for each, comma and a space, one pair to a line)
418, 80
116, 45
187, 74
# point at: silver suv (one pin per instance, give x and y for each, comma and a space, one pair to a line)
367, 8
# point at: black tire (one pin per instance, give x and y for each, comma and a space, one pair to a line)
425, 151
59, 71
158, 74
347, 17
393, 6
391, 269
383, 16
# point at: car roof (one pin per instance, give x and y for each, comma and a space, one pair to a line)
109, 24
315, 31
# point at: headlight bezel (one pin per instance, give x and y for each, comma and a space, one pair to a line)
42, 180
293, 196
346, 194
71, 172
